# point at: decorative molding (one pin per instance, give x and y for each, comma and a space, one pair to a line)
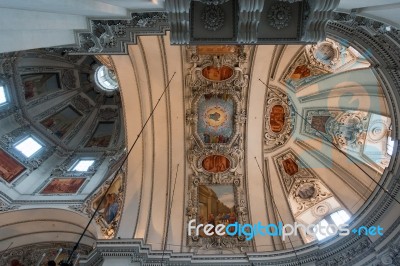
107, 113
213, 2
279, 15
360, 134
218, 163
32, 254
82, 104
213, 17
64, 169
346, 256
249, 18
279, 125
318, 16
113, 36
108, 216
68, 78
4, 207
8, 141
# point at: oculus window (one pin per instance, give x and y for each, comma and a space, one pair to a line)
106, 79
82, 165
28, 147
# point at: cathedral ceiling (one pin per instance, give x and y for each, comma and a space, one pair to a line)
253, 128
244, 133
230, 109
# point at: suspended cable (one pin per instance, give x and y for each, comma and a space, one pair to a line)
68, 262
169, 215
334, 145
276, 208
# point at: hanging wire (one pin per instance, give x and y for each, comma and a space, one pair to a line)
277, 209
68, 262
334, 145
169, 216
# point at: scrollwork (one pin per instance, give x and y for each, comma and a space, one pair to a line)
213, 17
216, 164
280, 118
280, 15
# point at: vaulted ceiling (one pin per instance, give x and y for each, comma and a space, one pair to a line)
274, 96
252, 133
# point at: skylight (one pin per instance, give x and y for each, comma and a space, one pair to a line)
83, 165
2, 95
28, 147
106, 79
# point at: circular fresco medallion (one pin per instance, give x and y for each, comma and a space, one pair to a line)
378, 131
216, 163
306, 191
325, 53
217, 73
216, 116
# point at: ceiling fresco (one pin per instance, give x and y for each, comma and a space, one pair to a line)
275, 124
316, 61
216, 82
215, 121
363, 135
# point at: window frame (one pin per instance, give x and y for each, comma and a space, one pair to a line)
24, 139
76, 162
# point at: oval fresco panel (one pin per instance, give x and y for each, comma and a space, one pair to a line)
215, 118
277, 118
216, 163
290, 166
217, 73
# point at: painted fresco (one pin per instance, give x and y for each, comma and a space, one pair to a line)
9, 167
318, 122
110, 205
40, 83
63, 185
61, 122
216, 205
301, 72
217, 73
216, 49
215, 121
216, 163
102, 135
277, 118
290, 166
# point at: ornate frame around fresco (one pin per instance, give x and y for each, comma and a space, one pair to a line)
235, 87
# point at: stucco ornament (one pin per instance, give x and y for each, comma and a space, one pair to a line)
213, 17
280, 15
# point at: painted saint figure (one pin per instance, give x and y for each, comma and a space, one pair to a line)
111, 207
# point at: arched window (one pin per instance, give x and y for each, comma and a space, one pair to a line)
336, 218
389, 146
3, 98
106, 79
